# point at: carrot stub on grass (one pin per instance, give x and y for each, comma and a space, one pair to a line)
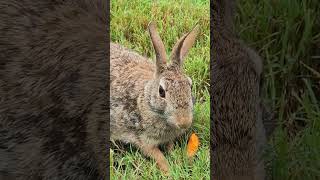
193, 145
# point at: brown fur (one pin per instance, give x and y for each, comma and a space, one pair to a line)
53, 90
238, 130
138, 114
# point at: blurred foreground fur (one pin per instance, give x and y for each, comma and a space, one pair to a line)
240, 122
53, 85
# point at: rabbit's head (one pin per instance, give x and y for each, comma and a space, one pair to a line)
170, 92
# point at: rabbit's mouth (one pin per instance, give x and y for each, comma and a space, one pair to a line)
181, 122
184, 125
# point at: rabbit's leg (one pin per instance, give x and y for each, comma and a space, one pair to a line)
155, 153
169, 146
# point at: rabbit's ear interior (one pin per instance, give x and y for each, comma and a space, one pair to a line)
161, 57
181, 48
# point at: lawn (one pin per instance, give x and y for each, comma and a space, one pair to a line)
129, 20
286, 34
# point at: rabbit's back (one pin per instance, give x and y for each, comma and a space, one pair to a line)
129, 74
125, 62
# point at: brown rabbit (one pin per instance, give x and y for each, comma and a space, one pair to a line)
151, 104
237, 117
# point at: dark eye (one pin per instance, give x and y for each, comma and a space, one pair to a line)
162, 93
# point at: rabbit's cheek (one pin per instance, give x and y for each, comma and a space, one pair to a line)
158, 103
169, 109
161, 105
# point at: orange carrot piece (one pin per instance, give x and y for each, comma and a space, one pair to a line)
193, 145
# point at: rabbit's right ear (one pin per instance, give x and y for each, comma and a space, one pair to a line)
161, 56
181, 48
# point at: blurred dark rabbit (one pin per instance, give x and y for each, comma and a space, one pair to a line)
53, 84
239, 119
151, 103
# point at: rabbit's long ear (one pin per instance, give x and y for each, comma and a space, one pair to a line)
181, 48
161, 56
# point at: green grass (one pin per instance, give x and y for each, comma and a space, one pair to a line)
286, 34
129, 20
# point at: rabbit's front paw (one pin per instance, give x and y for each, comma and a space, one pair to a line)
169, 147
163, 166
155, 153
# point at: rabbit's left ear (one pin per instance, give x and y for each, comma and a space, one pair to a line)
182, 46
159, 48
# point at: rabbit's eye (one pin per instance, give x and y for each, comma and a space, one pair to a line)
162, 93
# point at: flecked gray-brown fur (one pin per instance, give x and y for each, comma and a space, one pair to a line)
53, 90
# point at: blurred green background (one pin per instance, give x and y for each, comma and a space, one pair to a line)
286, 34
